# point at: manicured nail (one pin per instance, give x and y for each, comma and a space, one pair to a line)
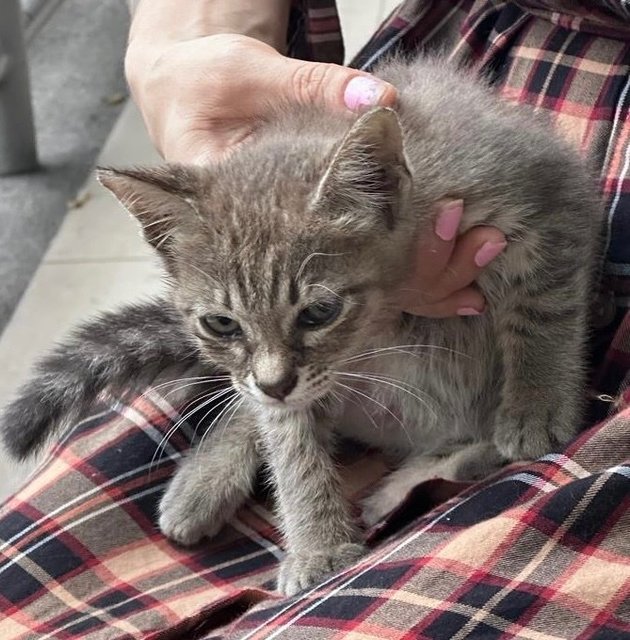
362, 91
448, 220
468, 311
488, 252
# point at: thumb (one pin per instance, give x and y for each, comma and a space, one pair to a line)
332, 86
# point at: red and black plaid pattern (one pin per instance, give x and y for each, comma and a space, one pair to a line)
80, 552
539, 552
542, 552
561, 57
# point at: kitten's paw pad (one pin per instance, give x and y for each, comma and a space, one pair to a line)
525, 437
298, 572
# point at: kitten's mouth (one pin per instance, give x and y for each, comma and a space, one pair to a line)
288, 404
292, 402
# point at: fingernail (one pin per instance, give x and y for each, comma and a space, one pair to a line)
488, 252
468, 311
448, 220
362, 91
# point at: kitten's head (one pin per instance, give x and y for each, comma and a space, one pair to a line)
286, 256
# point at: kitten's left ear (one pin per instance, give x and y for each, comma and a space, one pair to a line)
368, 177
159, 198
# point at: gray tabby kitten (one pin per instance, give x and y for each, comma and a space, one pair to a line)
287, 258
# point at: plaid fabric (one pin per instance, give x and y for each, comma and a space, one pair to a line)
81, 555
543, 552
571, 65
539, 552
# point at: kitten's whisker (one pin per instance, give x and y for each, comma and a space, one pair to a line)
227, 403
336, 395
187, 385
428, 347
162, 239
348, 398
200, 422
199, 397
160, 221
334, 293
207, 397
200, 378
376, 374
235, 410
236, 403
180, 388
308, 258
392, 382
392, 352
380, 404
216, 419
204, 273
164, 441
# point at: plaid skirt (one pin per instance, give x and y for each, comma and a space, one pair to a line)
540, 551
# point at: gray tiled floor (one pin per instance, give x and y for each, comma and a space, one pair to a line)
76, 62
97, 259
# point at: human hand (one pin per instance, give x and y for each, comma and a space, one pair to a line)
441, 283
204, 96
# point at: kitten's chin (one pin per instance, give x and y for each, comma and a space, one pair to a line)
288, 404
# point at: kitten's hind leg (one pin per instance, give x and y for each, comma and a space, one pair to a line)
466, 464
212, 482
542, 341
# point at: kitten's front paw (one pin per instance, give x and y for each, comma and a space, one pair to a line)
183, 531
525, 435
186, 522
298, 572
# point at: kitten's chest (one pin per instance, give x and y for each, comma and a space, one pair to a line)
435, 383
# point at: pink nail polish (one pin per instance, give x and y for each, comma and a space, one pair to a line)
468, 311
488, 252
362, 91
448, 220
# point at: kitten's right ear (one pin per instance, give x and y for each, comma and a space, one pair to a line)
368, 178
159, 198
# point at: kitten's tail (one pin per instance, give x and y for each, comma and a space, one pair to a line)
116, 351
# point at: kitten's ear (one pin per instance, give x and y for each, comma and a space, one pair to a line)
159, 198
368, 177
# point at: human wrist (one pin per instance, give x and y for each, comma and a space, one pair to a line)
158, 23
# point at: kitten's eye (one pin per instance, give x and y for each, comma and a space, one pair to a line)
319, 314
221, 326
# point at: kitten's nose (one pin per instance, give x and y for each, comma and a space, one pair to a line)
279, 389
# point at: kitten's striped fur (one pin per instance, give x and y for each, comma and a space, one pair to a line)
321, 205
